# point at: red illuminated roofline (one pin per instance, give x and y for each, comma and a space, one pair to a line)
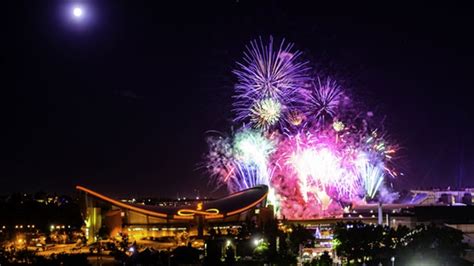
157, 214
248, 206
120, 204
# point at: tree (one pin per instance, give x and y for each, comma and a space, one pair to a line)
437, 243
261, 252
271, 232
185, 255
229, 256
361, 242
358, 242
103, 233
325, 259
213, 251
299, 235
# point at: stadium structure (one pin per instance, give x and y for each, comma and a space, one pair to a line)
198, 218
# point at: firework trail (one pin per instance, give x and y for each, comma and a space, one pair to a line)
372, 176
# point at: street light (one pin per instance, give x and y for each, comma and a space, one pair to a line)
255, 242
392, 259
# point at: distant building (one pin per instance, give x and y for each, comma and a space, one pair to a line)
450, 197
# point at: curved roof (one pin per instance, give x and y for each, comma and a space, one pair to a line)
230, 205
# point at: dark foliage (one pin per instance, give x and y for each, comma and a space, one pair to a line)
358, 242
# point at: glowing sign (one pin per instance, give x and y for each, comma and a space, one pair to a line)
199, 210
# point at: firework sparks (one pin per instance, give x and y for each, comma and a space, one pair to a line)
315, 168
372, 175
311, 147
219, 159
319, 163
265, 113
252, 147
268, 73
324, 100
241, 161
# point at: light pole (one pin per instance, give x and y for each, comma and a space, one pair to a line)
392, 259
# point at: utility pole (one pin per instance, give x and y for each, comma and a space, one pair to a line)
379, 214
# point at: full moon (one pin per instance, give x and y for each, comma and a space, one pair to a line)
77, 12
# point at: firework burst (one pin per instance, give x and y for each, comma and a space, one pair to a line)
324, 100
252, 147
265, 113
314, 149
320, 162
219, 159
240, 161
269, 77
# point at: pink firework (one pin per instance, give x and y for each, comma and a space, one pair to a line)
322, 167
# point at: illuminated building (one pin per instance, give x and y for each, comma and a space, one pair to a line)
196, 218
143, 221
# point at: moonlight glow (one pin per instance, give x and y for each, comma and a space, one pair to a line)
77, 12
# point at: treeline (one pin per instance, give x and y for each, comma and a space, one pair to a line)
23, 211
360, 243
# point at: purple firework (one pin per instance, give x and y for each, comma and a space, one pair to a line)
324, 100
268, 72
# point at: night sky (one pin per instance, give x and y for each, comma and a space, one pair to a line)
121, 101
